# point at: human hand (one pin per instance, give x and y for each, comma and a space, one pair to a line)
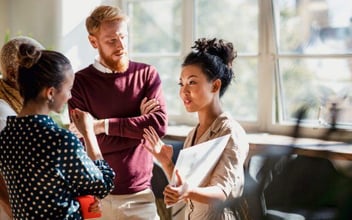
83, 121
149, 106
153, 143
95, 206
73, 129
174, 193
90, 206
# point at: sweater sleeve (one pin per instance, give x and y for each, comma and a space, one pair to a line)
5, 110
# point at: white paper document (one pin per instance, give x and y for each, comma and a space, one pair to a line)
195, 163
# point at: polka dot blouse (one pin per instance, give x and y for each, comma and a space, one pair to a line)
46, 168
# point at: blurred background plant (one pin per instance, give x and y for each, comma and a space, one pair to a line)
7, 36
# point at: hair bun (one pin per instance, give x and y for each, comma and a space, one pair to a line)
28, 55
202, 45
216, 47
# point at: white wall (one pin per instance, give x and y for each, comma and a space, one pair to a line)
3, 19
57, 24
35, 18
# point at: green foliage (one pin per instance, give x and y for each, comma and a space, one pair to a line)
7, 36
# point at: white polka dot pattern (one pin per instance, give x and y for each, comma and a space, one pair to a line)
46, 167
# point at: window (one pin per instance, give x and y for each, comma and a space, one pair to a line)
162, 32
229, 20
314, 59
291, 54
155, 37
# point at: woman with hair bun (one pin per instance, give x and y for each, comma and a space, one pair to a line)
44, 166
205, 76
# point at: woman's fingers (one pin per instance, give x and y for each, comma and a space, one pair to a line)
146, 146
169, 201
171, 195
151, 135
179, 178
95, 206
171, 191
152, 130
147, 136
76, 114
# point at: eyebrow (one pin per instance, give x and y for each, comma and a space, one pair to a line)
191, 76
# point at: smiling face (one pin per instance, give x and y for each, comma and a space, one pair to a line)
196, 91
112, 41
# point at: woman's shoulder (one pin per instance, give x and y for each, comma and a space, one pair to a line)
226, 124
65, 141
50, 127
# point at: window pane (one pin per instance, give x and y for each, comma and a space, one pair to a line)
241, 97
229, 20
317, 84
155, 26
163, 42
244, 85
235, 21
315, 26
155, 29
169, 70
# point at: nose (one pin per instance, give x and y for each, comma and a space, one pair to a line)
120, 43
184, 89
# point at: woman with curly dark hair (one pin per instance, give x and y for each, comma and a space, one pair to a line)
205, 76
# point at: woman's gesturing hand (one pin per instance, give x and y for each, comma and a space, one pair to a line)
162, 152
82, 120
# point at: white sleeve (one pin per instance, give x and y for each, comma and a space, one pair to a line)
5, 110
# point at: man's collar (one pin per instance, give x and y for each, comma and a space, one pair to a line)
100, 66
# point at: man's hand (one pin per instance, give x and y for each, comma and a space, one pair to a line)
149, 106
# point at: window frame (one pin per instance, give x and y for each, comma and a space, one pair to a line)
268, 118
276, 124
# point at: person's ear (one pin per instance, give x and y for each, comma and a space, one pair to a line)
49, 94
93, 41
216, 85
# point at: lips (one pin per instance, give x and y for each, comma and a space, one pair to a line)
119, 54
186, 101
